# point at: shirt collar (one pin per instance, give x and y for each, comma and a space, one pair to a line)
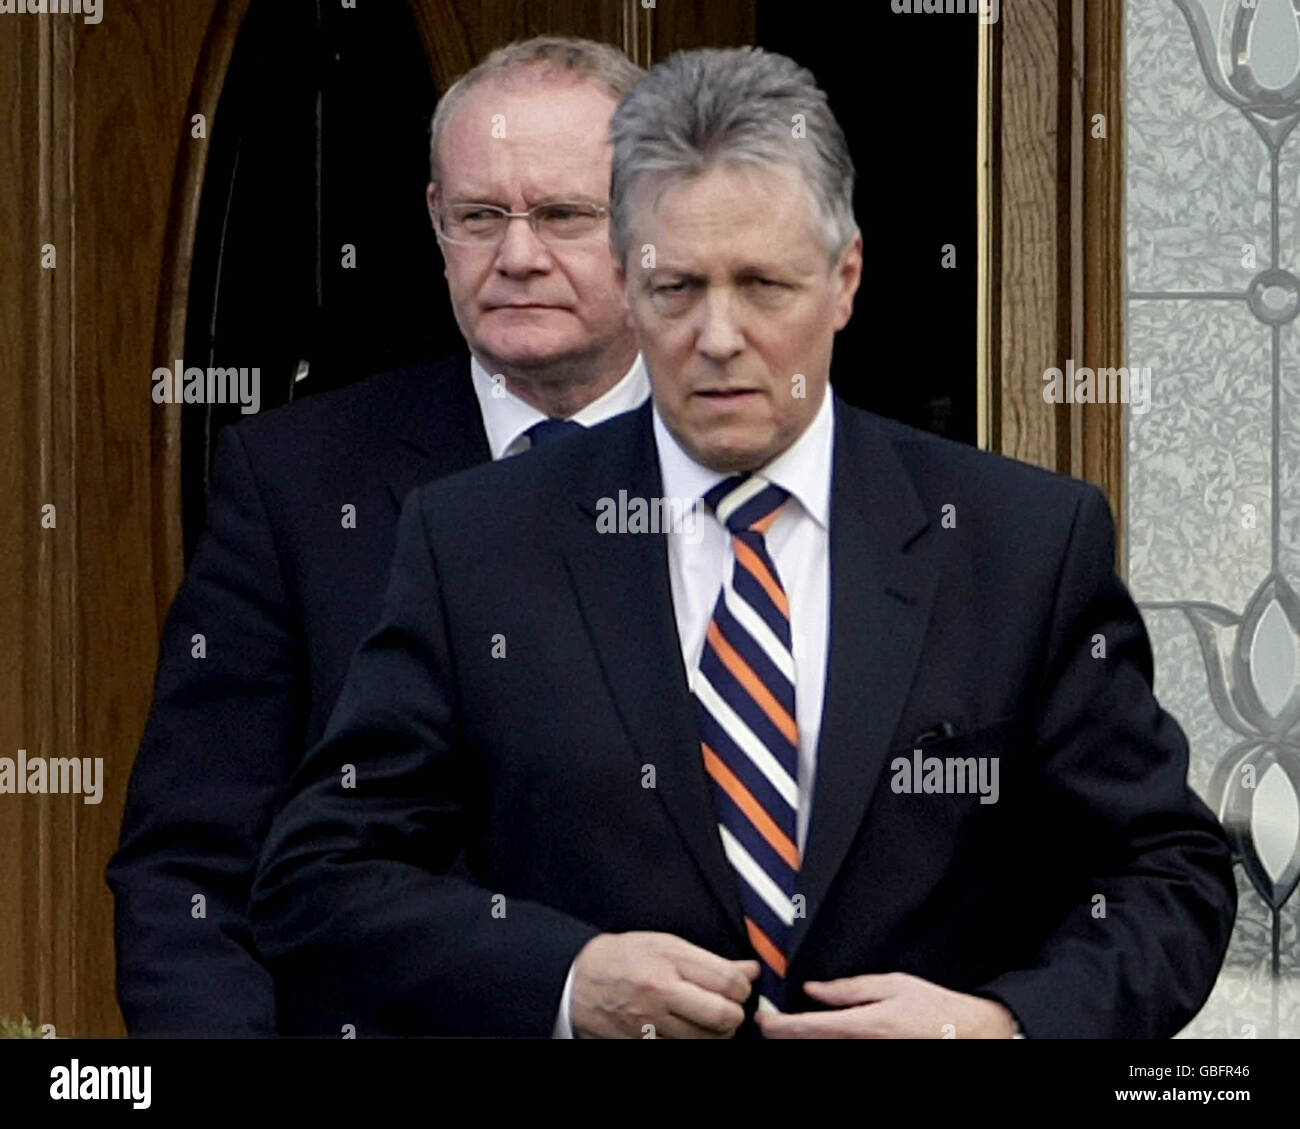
506, 417
803, 468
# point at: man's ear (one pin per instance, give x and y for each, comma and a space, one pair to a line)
849, 275
431, 202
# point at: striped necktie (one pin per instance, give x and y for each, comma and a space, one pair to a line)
745, 708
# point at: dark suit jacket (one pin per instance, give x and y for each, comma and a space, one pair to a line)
282, 593
534, 760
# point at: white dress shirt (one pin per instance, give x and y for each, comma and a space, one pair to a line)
798, 543
506, 417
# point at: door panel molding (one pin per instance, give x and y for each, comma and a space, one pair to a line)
94, 175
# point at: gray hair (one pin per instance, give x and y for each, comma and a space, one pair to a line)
547, 56
737, 105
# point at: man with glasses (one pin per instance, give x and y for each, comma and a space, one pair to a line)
302, 516
519, 200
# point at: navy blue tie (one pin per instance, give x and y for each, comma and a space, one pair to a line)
549, 429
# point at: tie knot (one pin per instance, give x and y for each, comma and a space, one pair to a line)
548, 429
746, 502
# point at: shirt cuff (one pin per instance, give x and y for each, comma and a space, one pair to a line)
564, 1020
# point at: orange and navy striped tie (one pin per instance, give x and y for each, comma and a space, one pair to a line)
744, 693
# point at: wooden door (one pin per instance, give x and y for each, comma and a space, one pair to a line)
101, 180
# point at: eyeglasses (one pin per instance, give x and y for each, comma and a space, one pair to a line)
485, 224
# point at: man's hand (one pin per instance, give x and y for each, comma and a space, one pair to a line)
892, 1005
623, 981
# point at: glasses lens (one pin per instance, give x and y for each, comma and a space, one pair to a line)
567, 221
486, 223
474, 223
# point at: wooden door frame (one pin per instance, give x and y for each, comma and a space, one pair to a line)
167, 525
1051, 223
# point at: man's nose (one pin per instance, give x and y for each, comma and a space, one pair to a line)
521, 252
720, 334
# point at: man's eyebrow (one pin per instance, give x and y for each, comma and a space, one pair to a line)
749, 270
661, 273
473, 198
549, 198
563, 198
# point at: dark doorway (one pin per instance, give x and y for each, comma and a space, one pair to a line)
320, 141
904, 89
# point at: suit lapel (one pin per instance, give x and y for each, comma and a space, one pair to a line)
621, 583
439, 427
882, 580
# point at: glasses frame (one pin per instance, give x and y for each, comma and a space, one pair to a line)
602, 212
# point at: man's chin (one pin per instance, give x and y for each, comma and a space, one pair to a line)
531, 353
728, 441
728, 455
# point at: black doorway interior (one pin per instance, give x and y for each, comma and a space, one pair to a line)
321, 142
904, 89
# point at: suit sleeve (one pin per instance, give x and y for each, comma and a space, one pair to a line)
1114, 811
226, 727
352, 896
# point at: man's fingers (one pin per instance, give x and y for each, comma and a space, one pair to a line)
675, 1027
731, 978
715, 1015
853, 989
813, 1025
691, 992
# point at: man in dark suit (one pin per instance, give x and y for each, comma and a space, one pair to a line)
303, 510
753, 713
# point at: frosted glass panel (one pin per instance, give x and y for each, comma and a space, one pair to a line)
1213, 511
